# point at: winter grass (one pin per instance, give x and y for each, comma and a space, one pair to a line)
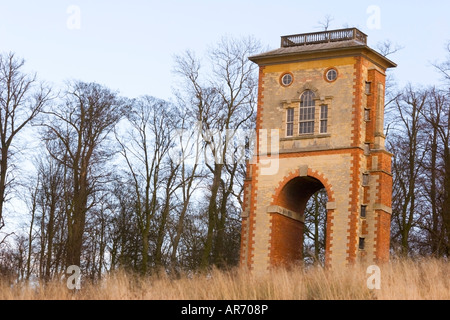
425, 279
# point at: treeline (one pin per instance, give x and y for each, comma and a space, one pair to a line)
143, 184
419, 137
138, 184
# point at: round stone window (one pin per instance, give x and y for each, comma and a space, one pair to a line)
331, 75
287, 79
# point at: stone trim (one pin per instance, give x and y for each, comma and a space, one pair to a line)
303, 171
285, 212
331, 205
382, 207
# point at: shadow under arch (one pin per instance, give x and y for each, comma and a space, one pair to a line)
287, 216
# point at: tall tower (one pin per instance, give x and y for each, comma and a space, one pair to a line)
319, 125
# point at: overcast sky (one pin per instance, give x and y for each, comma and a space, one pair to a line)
129, 45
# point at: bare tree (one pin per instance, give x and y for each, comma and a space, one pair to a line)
190, 176
124, 242
442, 100
145, 149
406, 144
387, 48
437, 167
223, 103
444, 67
326, 22
75, 135
22, 98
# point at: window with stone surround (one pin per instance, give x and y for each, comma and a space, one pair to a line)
289, 122
331, 74
323, 118
367, 114
286, 79
365, 179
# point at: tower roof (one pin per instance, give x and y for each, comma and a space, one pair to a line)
316, 45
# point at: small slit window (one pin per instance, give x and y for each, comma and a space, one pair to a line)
368, 87
362, 243
363, 211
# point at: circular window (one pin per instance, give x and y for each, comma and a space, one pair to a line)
331, 75
287, 79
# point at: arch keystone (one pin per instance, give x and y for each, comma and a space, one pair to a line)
303, 171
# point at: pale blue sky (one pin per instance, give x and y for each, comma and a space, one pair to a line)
129, 45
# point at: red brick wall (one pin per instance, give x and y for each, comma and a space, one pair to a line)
384, 192
382, 236
382, 173
375, 77
286, 245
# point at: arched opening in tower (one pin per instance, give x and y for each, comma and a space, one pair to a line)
299, 223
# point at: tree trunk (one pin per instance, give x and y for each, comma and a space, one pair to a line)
219, 243
3, 173
212, 215
162, 226
77, 221
316, 227
446, 202
435, 238
50, 234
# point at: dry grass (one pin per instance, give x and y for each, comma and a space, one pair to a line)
425, 280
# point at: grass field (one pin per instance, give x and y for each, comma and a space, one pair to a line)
427, 279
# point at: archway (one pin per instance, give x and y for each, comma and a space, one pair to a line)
288, 219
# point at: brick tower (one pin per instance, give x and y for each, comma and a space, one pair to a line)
319, 125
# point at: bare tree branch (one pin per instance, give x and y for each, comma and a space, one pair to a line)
326, 22
387, 48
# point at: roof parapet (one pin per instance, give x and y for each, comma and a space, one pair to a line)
323, 37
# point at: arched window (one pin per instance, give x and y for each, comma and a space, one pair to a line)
307, 112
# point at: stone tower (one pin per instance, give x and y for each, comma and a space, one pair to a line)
319, 125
